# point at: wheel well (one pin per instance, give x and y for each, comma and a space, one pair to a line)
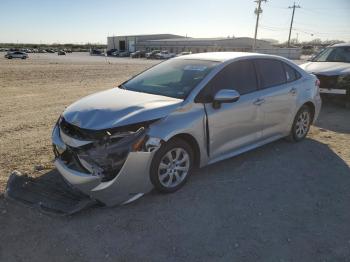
194, 145
311, 106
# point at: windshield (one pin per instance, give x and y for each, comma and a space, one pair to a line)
334, 54
175, 78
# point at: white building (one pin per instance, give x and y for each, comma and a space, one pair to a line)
177, 44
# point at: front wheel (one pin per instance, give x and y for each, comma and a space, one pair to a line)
171, 166
301, 124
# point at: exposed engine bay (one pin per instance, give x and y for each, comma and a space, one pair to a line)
102, 153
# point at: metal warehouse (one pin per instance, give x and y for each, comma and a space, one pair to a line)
129, 43
177, 44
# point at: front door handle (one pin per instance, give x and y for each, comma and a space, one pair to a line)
293, 91
259, 101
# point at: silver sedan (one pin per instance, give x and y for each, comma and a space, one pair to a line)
189, 111
16, 54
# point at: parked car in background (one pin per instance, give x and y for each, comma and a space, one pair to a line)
184, 53
332, 67
120, 54
115, 53
111, 51
189, 111
152, 54
61, 52
16, 54
138, 54
96, 52
164, 55
124, 54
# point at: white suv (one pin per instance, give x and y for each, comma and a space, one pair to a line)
332, 68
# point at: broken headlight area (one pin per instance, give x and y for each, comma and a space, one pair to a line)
106, 156
108, 150
344, 82
334, 82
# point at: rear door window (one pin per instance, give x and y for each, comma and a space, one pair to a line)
271, 72
291, 73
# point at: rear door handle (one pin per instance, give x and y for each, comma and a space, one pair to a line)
259, 101
293, 91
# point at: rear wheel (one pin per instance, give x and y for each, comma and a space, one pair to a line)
171, 166
301, 124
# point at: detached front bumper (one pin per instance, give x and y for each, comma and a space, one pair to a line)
131, 182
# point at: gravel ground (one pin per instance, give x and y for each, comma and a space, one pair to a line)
281, 202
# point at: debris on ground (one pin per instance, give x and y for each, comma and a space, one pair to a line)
16, 173
39, 167
49, 193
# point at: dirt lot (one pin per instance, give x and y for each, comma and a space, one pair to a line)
282, 202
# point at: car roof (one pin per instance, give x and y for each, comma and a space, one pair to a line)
223, 56
342, 44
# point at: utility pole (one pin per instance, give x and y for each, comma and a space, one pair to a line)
257, 11
291, 22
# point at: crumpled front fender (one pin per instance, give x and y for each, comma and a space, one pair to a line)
132, 180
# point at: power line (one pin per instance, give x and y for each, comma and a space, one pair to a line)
257, 11
281, 28
291, 22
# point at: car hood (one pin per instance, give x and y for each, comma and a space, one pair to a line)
327, 68
117, 107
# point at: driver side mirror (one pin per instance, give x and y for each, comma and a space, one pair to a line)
226, 96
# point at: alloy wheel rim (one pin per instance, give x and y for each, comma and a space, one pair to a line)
302, 125
173, 167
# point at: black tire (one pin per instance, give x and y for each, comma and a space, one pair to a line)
10, 57
295, 135
173, 144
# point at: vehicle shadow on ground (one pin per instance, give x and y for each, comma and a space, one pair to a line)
332, 117
280, 202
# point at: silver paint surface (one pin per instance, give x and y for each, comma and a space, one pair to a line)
118, 107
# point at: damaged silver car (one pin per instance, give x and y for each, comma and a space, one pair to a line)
189, 111
332, 68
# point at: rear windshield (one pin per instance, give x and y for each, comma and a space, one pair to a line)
174, 78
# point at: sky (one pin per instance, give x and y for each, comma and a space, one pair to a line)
91, 21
